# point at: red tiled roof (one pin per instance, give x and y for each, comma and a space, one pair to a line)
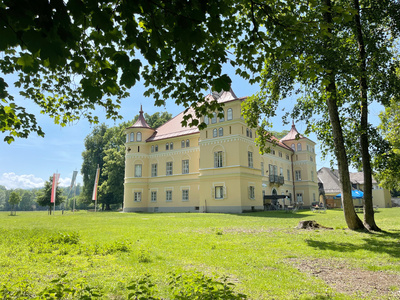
173, 128
141, 122
292, 135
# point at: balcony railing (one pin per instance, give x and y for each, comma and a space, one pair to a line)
276, 179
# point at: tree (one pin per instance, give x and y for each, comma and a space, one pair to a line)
106, 147
14, 201
27, 200
316, 48
73, 56
2, 197
43, 196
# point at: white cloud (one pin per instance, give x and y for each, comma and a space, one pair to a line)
14, 181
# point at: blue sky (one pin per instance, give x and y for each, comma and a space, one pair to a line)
28, 163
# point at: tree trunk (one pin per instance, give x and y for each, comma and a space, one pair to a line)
369, 219
352, 220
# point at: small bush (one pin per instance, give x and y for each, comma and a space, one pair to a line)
143, 288
71, 238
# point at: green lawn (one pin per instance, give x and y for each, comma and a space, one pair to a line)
257, 251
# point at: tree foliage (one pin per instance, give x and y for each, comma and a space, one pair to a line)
14, 200
105, 147
43, 196
70, 57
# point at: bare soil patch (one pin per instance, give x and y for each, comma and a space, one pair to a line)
351, 281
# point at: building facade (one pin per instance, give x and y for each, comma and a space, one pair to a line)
218, 169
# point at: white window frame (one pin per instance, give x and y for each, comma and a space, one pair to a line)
138, 170
187, 143
252, 192
138, 137
297, 174
219, 192
250, 159
183, 144
185, 195
132, 139
215, 133
168, 195
218, 159
221, 131
154, 170
185, 166
169, 168
229, 114
153, 196
137, 196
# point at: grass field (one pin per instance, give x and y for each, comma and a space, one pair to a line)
263, 255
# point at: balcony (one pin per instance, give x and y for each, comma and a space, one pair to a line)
276, 179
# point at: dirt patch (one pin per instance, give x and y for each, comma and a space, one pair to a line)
351, 281
310, 224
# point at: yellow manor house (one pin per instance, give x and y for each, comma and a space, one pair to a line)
218, 169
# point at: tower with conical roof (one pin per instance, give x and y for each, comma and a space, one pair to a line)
304, 173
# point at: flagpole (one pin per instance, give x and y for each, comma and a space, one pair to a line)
96, 181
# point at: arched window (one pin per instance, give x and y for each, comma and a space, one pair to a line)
127, 137
215, 133
247, 132
230, 114
206, 120
214, 118
221, 131
183, 144
156, 148
293, 147
171, 146
222, 119
132, 137
139, 137
187, 143
251, 133
152, 148
299, 147
167, 146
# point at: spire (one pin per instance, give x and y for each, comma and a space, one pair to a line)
293, 134
141, 122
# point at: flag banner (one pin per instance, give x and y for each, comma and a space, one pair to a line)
56, 176
73, 178
96, 181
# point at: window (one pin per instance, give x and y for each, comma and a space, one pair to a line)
313, 196
221, 131
153, 196
308, 148
214, 118
168, 195
250, 159
138, 137
280, 171
171, 146
311, 159
297, 174
152, 148
167, 146
127, 138
185, 195
247, 132
169, 168
280, 154
273, 152
154, 170
206, 120
287, 157
298, 147
251, 192
183, 144
187, 143
138, 170
251, 133
132, 137
293, 147
138, 196
222, 119
230, 114
312, 176
185, 166
156, 148
218, 156
262, 168
299, 197
288, 174
215, 133
219, 192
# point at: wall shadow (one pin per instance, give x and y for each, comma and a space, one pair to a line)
280, 214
